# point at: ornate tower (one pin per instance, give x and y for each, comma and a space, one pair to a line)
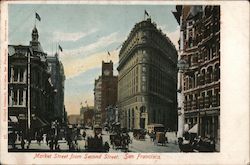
34, 43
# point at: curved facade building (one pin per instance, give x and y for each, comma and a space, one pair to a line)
147, 79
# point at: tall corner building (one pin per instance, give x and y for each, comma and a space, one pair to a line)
200, 48
105, 93
58, 80
147, 79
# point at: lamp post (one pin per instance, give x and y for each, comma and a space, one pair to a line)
182, 67
28, 103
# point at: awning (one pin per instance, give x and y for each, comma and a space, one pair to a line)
13, 119
194, 129
38, 123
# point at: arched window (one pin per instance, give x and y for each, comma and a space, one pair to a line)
190, 42
202, 77
209, 74
217, 72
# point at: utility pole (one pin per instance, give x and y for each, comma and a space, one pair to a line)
28, 109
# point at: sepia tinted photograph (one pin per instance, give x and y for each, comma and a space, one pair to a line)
113, 78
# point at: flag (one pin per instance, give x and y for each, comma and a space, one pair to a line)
108, 53
146, 13
38, 17
60, 48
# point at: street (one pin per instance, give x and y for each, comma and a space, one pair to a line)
142, 146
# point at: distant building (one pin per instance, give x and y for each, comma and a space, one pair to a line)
112, 115
30, 91
97, 101
87, 115
147, 79
200, 48
74, 119
105, 92
57, 79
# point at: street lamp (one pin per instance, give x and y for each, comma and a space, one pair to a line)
182, 66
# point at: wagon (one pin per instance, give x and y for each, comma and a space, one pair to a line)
139, 134
160, 138
97, 130
95, 144
120, 141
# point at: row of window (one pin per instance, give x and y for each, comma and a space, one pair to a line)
204, 99
205, 76
17, 97
17, 75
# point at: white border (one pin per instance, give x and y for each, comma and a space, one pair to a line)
234, 118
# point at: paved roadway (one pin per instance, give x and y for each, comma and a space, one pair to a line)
137, 145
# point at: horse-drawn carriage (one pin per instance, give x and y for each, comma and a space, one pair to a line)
95, 144
160, 138
139, 134
119, 137
120, 141
97, 130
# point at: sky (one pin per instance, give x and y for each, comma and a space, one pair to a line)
86, 32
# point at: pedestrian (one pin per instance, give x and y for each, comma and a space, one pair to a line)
106, 146
22, 142
57, 148
14, 140
47, 139
84, 135
29, 141
56, 141
166, 137
51, 144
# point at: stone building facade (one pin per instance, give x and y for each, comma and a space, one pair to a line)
147, 78
97, 101
200, 48
29, 87
57, 79
105, 92
87, 116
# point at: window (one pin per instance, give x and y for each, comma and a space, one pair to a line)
9, 97
143, 88
21, 74
14, 99
18, 74
143, 78
20, 97
15, 74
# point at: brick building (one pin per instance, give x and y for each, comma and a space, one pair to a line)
200, 49
105, 92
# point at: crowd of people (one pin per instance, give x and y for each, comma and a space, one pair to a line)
193, 143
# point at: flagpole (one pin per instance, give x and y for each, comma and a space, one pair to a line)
52, 49
57, 48
35, 19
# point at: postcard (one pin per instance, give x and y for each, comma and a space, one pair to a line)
124, 82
